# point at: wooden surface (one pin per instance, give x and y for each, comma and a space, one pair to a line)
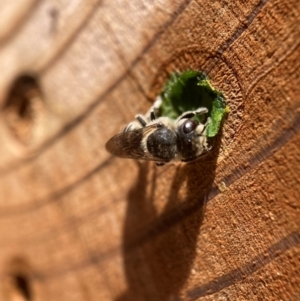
78, 224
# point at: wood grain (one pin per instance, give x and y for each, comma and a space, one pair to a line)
79, 224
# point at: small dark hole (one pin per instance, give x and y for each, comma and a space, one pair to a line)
22, 285
22, 91
19, 109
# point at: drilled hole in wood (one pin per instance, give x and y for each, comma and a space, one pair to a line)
17, 284
21, 107
193, 57
22, 287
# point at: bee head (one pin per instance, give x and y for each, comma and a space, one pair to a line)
191, 144
162, 143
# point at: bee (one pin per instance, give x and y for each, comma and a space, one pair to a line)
162, 139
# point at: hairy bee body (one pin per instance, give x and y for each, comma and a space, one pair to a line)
162, 139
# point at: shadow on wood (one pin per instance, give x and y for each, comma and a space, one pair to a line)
159, 254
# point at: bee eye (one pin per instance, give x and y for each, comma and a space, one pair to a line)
189, 126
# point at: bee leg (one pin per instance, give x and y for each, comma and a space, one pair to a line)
127, 127
141, 119
190, 114
201, 128
154, 110
207, 122
201, 111
157, 104
160, 164
136, 124
154, 114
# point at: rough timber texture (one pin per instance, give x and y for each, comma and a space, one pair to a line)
78, 224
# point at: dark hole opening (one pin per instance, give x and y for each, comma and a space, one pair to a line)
20, 107
22, 91
22, 285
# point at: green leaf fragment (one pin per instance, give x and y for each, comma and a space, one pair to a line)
189, 91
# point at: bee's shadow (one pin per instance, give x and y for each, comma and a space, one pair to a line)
159, 249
